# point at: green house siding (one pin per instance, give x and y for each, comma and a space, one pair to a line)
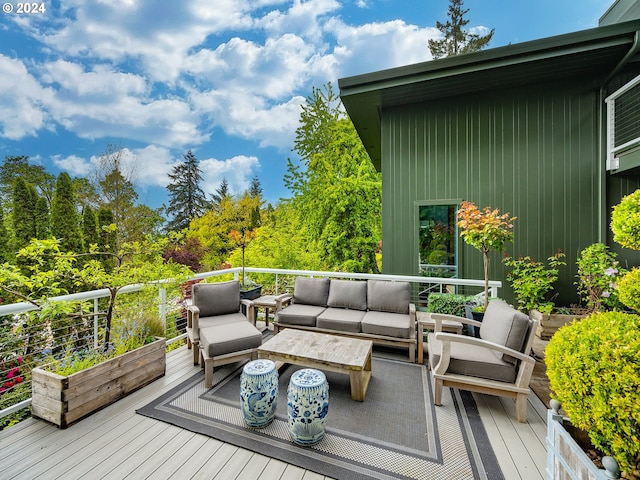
533, 153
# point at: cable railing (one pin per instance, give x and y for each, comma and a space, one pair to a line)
168, 305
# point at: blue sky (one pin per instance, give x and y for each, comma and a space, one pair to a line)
224, 78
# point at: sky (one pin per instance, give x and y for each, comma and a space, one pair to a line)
223, 78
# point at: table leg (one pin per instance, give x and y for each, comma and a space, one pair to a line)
359, 380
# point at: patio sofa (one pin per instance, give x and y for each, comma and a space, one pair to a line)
376, 310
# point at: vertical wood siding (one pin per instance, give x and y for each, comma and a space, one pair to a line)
532, 152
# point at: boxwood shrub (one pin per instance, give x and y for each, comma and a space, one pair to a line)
593, 367
448, 303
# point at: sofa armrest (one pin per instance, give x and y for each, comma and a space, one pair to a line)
282, 300
251, 311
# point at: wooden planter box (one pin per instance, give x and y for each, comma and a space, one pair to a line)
550, 323
64, 400
565, 458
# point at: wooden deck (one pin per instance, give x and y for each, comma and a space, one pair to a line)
117, 443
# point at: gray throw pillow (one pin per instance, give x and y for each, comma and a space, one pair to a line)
504, 325
385, 296
348, 294
217, 298
311, 291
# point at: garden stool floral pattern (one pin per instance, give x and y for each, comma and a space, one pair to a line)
307, 406
259, 393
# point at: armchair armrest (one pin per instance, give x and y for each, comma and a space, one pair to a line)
526, 362
281, 300
251, 311
193, 318
439, 317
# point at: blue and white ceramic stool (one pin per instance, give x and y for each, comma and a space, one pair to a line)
307, 406
259, 392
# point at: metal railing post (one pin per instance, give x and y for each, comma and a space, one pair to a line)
163, 305
95, 323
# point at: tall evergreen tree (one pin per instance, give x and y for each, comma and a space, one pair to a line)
221, 194
15, 167
65, 225
42, 218
456, 39
89, 228
255, 192
186, 199
24, 221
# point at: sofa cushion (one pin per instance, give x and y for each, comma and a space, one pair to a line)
340, 319
298, 314
472, 360
348, 294
311, 291
384, 323
217, 298
385, 296
229, 338
504, 325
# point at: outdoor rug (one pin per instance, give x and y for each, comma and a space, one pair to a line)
396, 432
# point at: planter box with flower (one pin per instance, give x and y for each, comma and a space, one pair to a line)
87, 373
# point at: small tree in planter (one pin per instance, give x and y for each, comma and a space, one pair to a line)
484, 230
593, 370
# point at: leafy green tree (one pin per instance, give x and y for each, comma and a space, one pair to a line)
107, 236
4, 238
42, 218
456, 39
65, 224
19, 167
338, 195
24, 222
86, 194
186, 199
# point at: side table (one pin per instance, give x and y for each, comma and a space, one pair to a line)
426, 322
268, 302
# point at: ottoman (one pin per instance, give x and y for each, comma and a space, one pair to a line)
307, 406
227, 343
259, 393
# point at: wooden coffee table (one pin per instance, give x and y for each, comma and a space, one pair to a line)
334, 353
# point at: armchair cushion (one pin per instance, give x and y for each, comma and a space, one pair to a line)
504, 325
311, 291
472, 360
229, 338
348, 294
385, 296
217, 298
389, 324
205, 322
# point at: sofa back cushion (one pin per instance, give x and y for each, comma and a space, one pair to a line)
385, 296
311, 291
348, 294
217, 298
504, 325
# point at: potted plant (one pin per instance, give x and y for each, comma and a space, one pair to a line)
594, 372
532, 282
484, 230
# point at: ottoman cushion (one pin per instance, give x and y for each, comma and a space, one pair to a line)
229, 338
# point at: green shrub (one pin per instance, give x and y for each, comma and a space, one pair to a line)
629, 289
625, 221
448, 303
598, 271
593, 369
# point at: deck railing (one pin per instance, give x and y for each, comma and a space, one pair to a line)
274, 281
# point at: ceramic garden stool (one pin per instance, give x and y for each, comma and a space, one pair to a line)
259, 392
307, 406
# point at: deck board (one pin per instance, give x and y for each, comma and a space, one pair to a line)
117, 443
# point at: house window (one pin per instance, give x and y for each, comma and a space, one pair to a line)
623, 122
437, 250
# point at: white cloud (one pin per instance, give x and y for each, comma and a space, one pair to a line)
22, 101
237, 171
74, 165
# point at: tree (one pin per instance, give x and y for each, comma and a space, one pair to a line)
186, 199
42, 220
89, 228
24, 204
221, 194
484, 230
456, 39
107, 236
338, 196
4, 238
65, 224
19, 167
